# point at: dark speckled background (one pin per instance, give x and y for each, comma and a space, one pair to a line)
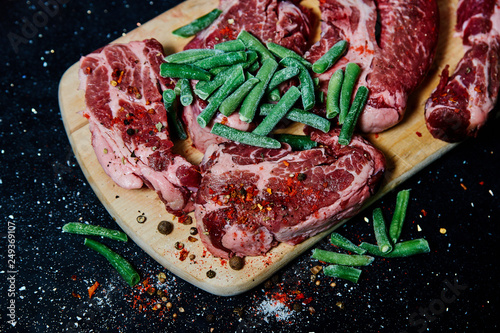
455, 288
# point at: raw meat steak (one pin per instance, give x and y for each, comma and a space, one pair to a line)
129, 125
282, 22
460, 105
252, 198
393, 60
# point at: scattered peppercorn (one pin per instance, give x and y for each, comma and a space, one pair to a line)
301, 177
236, 263
192, 257
160, 293
210, 318
186, 219
168, 305
141, 218
297, 307
316, 269
179, 245
193, 231
210, 274
162, 277
312, 310
165, 227
150, 290
239, 311
130, 131
181, 310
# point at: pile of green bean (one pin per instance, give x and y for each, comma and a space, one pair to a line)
388, 245
244, 74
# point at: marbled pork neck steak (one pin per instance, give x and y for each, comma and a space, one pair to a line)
128, 122
252, 198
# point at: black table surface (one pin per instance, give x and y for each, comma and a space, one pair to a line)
45, 275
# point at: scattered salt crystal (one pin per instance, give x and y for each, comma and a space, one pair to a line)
270, 308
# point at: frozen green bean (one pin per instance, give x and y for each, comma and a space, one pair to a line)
331, 56
198, 24
94, 230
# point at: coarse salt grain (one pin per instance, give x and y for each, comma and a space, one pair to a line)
270, 308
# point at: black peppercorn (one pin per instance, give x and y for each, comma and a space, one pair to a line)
301, 176
165, 227
130, 131
236, 263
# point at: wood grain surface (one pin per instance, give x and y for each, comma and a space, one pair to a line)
408, 148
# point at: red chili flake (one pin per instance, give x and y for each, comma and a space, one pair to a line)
481, 183
418, 134
93, 289
286, 163
224, 121
75, 295
376, 135
73, 277
88, 70
424, 213
307, 300
183, 254
463, 186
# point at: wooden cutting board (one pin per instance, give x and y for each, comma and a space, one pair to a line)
408, 148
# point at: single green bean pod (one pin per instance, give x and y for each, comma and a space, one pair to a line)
333, 94
186, 95
380, 229
122, 266
349, 124
190, 56
399, 215
343, 272
233, 101
94, 230
297, 142
184, 71
231, 46
342, 259
352, 72
281, 76
224, 59
198, 24
344, 243
330, 57
253, 98
247, 138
